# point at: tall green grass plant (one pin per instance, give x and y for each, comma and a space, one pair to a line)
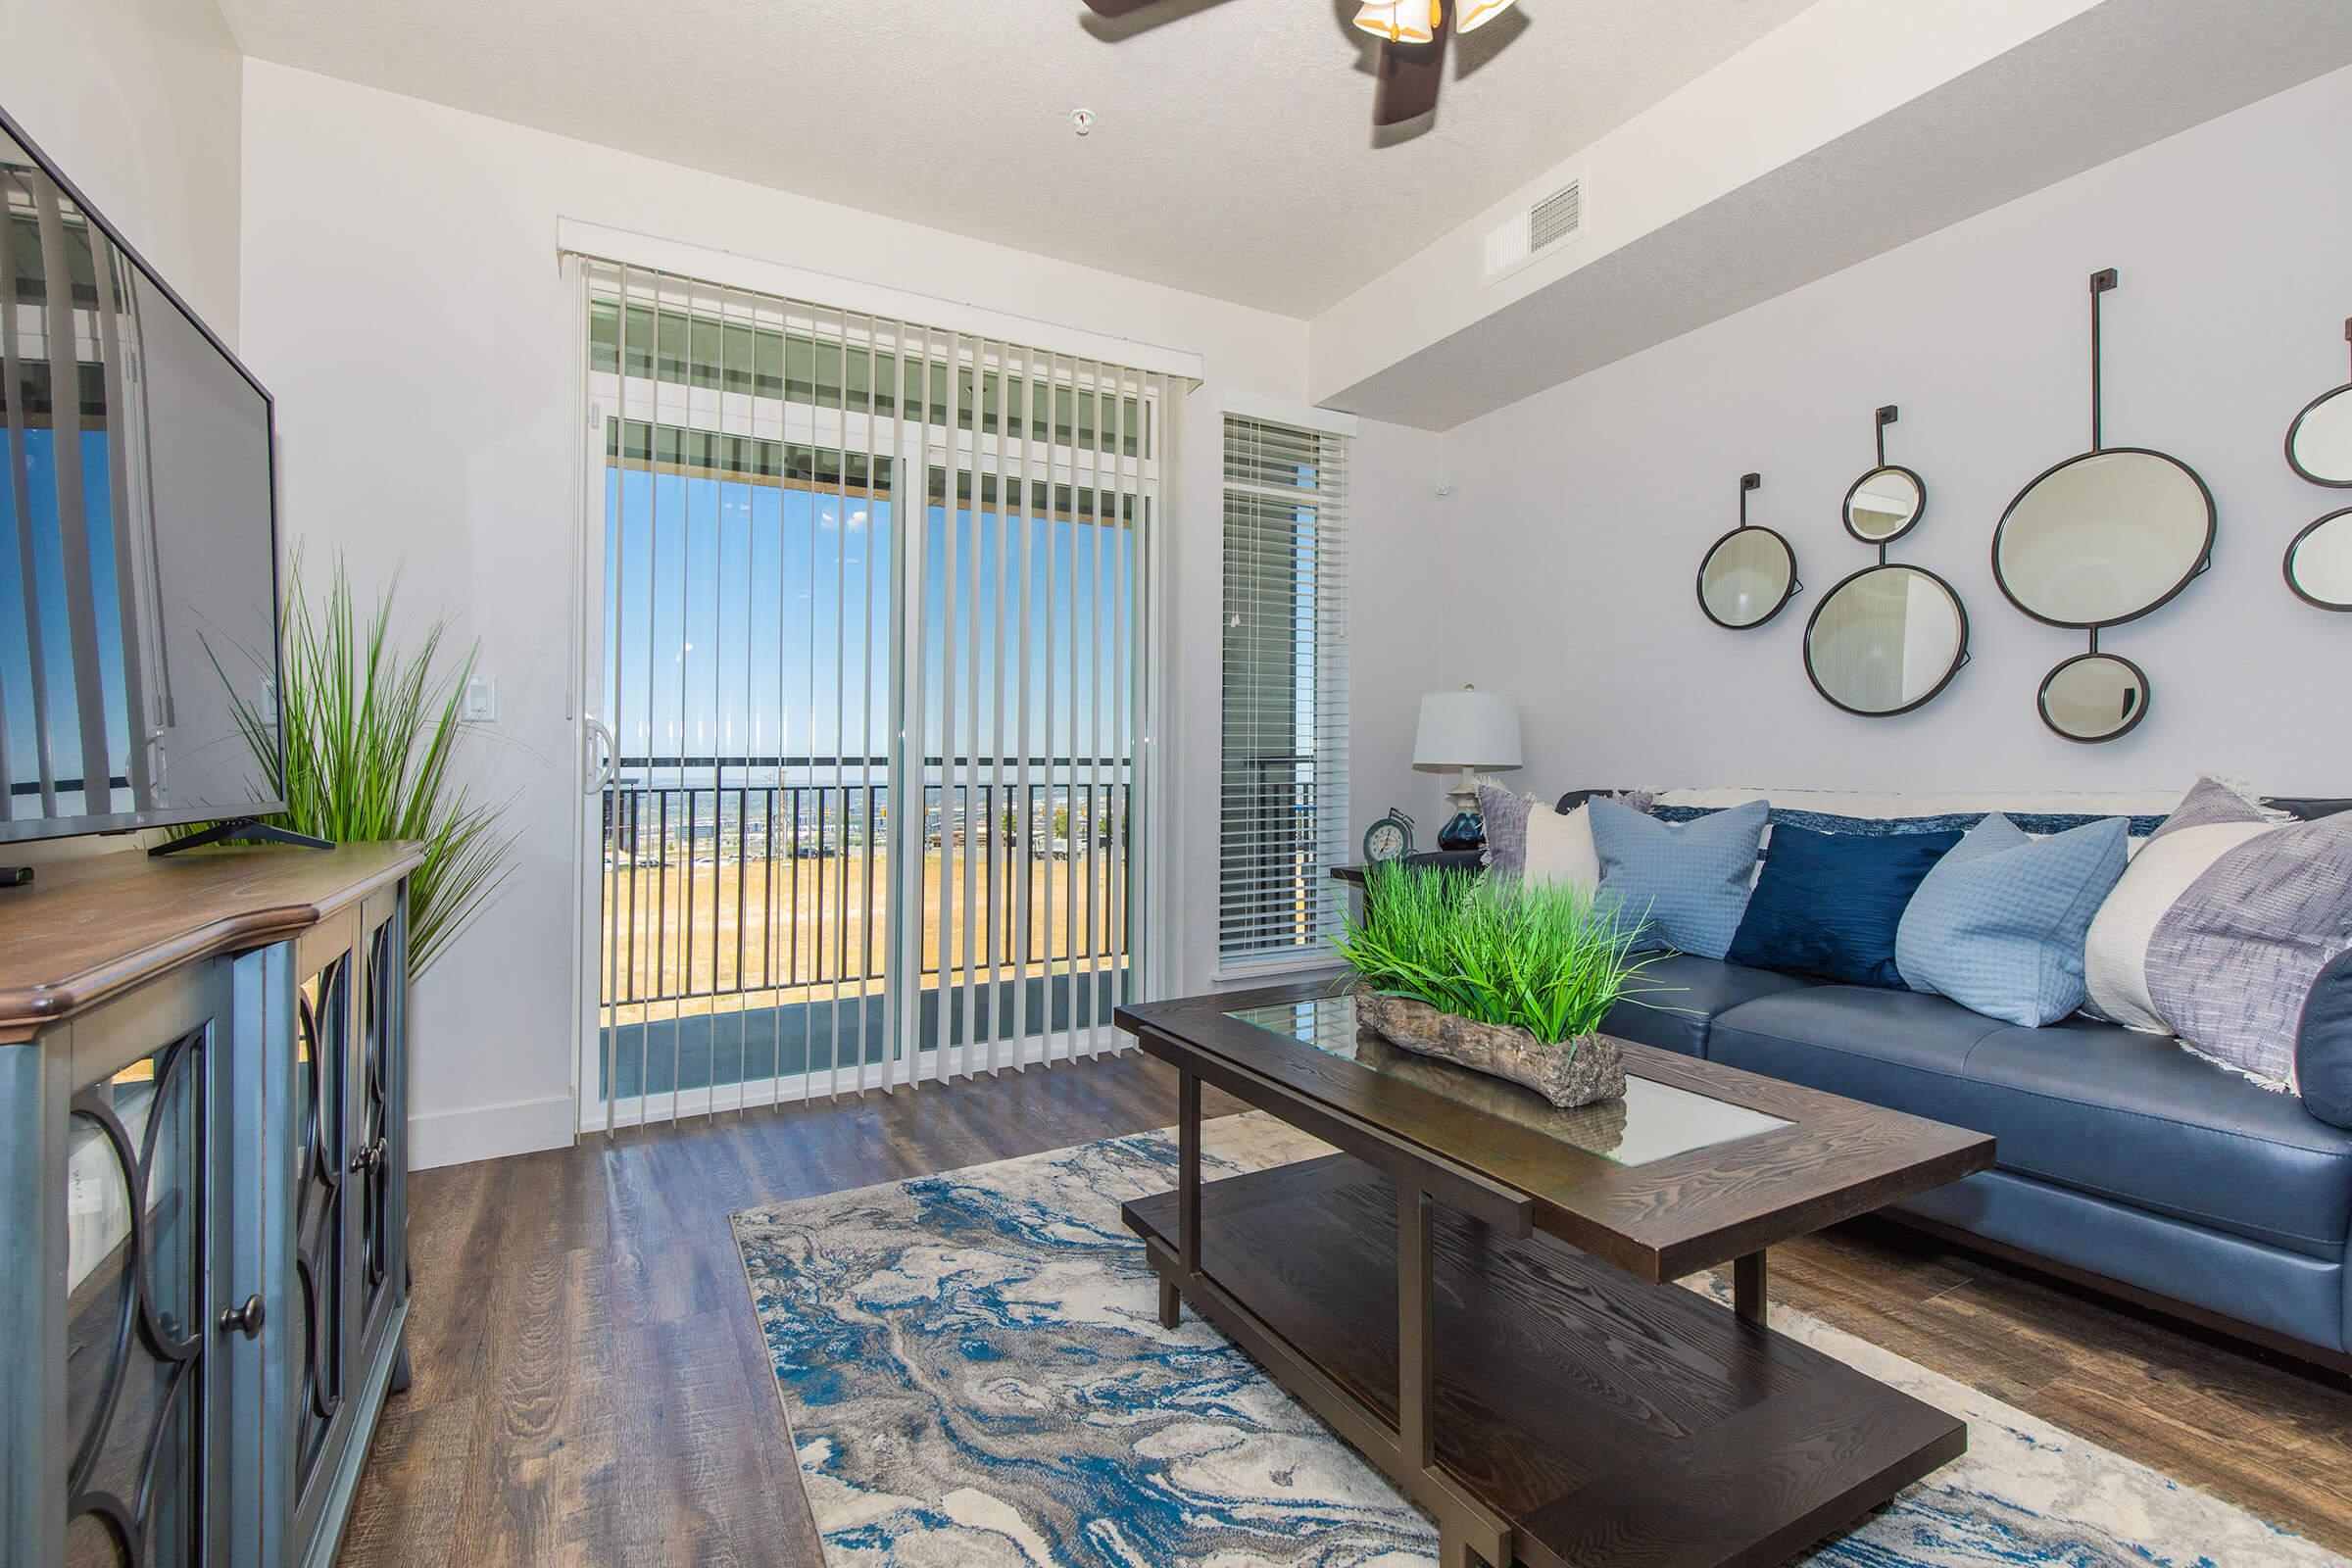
1546, 958
371, 741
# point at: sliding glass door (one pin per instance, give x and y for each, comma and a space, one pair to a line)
864, 670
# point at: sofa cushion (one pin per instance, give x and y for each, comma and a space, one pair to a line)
1998, 926
2089, 1105
1680, 997
1828, 904
1689, 885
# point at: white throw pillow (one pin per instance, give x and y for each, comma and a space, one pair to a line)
1559, 848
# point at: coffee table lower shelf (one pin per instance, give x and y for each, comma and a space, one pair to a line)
1591, 1420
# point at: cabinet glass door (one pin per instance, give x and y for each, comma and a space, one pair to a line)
138, 1240
317, 1334
372, 1151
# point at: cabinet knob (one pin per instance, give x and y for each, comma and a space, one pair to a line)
245, 1320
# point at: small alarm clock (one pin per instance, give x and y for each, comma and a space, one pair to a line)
1388, 839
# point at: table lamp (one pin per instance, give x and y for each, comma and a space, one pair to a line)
1476, 732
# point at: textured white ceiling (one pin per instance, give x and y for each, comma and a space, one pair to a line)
1233, 153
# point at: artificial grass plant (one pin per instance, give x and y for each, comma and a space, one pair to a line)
1547, 958
372, 735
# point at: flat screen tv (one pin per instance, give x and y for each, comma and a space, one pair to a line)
138, 546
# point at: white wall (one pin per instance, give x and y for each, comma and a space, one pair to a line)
402, 298
1591, 504
137, 101
1395, 577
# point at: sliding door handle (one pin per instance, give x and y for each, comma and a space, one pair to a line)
600, 735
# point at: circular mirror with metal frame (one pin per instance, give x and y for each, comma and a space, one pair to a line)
2319, 562
1887, 640
2094, 697
1888, 501
2105, 537
2319, 444
1748, 573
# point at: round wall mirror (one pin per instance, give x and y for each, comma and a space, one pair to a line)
1885, 640
2319, 564
2319, 444
1748, 575
2094, 697
2103, 538
1884, 504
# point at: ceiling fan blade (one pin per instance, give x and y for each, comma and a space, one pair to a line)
1409, 75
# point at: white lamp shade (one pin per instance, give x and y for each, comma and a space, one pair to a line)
1400, 21
1469, 729
1471, 15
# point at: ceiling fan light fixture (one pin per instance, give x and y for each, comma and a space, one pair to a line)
1470, 14
1402, 21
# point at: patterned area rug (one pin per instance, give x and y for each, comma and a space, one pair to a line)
975, 1377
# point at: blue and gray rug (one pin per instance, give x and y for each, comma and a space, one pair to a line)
975, 1377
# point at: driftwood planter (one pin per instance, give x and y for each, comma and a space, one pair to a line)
1575, 1072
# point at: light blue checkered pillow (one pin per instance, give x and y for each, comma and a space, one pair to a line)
1691, 882
1998, 926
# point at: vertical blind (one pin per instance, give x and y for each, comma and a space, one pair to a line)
1283, 806
876, 599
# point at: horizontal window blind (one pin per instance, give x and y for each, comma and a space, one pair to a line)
1283, 793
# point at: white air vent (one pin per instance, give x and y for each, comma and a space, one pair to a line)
1523, 236
1557, 217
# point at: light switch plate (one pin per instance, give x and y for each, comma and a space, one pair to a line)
480, 706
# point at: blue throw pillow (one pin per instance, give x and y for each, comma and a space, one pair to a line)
1828, 904
1691, 882
2000, 925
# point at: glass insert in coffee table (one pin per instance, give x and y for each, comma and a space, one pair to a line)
1653, 1122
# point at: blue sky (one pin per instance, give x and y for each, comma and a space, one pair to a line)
746, 619
57, 642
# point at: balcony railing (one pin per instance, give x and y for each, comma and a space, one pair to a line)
781, 891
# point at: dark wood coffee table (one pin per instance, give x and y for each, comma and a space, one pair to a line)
1470, 1290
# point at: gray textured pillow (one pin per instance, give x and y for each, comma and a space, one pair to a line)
1505, 811
2233, 960
2210, 800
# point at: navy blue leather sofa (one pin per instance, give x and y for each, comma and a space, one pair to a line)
2124, 1163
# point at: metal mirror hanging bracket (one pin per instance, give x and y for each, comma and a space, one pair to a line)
1885, 416
2102, 283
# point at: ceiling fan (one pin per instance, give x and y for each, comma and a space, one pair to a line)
1413, 50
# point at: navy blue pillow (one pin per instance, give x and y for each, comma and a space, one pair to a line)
1828, 904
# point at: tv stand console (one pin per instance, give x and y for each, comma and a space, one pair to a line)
203, 1180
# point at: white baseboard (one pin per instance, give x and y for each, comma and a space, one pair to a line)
490, 1131
691, 1103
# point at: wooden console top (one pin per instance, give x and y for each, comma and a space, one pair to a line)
86, 930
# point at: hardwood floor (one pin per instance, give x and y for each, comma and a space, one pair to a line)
590, 1387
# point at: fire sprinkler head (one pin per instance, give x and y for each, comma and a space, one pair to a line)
1082, 120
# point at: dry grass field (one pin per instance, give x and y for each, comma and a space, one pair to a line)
762, 932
